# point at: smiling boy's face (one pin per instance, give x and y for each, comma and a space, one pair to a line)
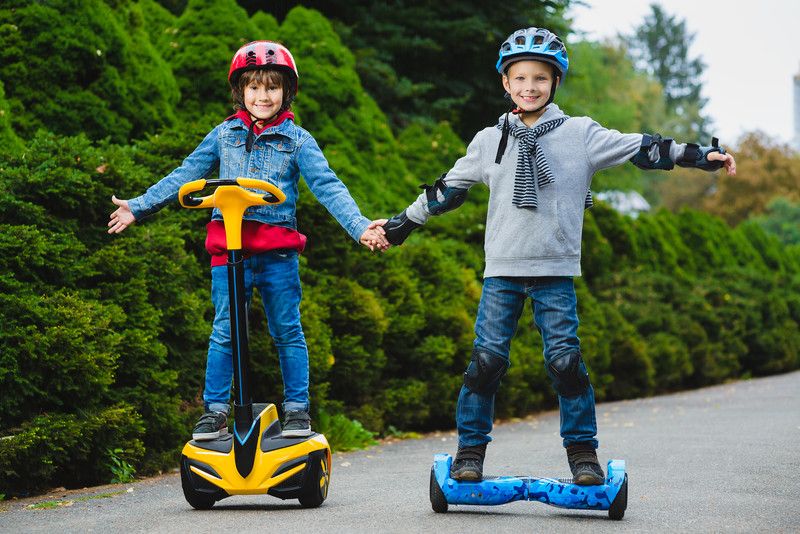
529, 83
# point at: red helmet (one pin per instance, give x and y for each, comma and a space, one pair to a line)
262, 55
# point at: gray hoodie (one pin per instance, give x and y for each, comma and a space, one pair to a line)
545, 241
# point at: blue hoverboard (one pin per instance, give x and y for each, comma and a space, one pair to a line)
611, 496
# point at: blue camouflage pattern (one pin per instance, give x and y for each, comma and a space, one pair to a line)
505, 489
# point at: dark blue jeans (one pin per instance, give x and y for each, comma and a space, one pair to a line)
556, 318
277, 278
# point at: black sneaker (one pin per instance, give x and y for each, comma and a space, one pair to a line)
586, 470
211, 425
468, 465
296, 424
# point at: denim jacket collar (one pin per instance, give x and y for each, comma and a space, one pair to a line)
283, 129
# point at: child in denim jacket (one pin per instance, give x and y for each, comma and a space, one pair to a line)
538, 164
259, 141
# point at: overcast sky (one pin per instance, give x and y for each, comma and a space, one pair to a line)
751, 51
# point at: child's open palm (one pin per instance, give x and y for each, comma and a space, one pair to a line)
121, 218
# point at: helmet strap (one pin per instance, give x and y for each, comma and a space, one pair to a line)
251, 135
501, 148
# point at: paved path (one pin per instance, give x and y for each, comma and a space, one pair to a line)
720, 459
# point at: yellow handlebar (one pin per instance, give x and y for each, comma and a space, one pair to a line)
232, 200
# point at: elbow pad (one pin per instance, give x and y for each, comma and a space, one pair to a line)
654, 153
442, 198
695, 156
398, 228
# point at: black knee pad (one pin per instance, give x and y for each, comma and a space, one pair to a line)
568, 374
484, 372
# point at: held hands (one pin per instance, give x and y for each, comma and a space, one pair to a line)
121, 218
374, 236
727, 161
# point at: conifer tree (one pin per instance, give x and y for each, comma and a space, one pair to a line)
9, 142
93, 72
660, 47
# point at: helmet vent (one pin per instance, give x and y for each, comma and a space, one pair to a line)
540, 43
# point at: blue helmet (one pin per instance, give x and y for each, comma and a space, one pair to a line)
534, 43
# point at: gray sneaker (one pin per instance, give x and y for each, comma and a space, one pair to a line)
586, 470
211, 425
468, 465
297, 424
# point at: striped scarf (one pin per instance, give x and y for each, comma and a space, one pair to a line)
533, 172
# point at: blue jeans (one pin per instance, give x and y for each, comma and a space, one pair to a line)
277, 278
556, 318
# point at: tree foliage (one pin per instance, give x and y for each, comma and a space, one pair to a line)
95, 72
782, 218
431, 60
660, 47
765, 170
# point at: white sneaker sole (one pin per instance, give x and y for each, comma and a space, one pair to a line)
297, 433
208, 436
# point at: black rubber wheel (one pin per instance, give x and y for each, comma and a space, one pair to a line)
438, 502
617, 510
315, 486
198, 500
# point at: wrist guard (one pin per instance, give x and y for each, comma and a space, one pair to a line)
654, 153
696, 156
398, 228
442, 198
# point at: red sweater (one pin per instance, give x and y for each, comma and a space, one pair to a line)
256, 237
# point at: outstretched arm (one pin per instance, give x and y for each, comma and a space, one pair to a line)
334, 195
607, 148
447, 193
657, 152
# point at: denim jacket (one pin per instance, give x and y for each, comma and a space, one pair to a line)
279, 156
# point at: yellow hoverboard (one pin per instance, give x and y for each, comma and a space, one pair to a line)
255, 459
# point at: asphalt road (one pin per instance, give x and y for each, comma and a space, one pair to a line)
720, 459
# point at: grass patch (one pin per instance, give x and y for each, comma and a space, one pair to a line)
394, 433
99, 496
343, 434
58, 503
46, 505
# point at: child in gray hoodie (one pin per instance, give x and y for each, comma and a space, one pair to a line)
538, 164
